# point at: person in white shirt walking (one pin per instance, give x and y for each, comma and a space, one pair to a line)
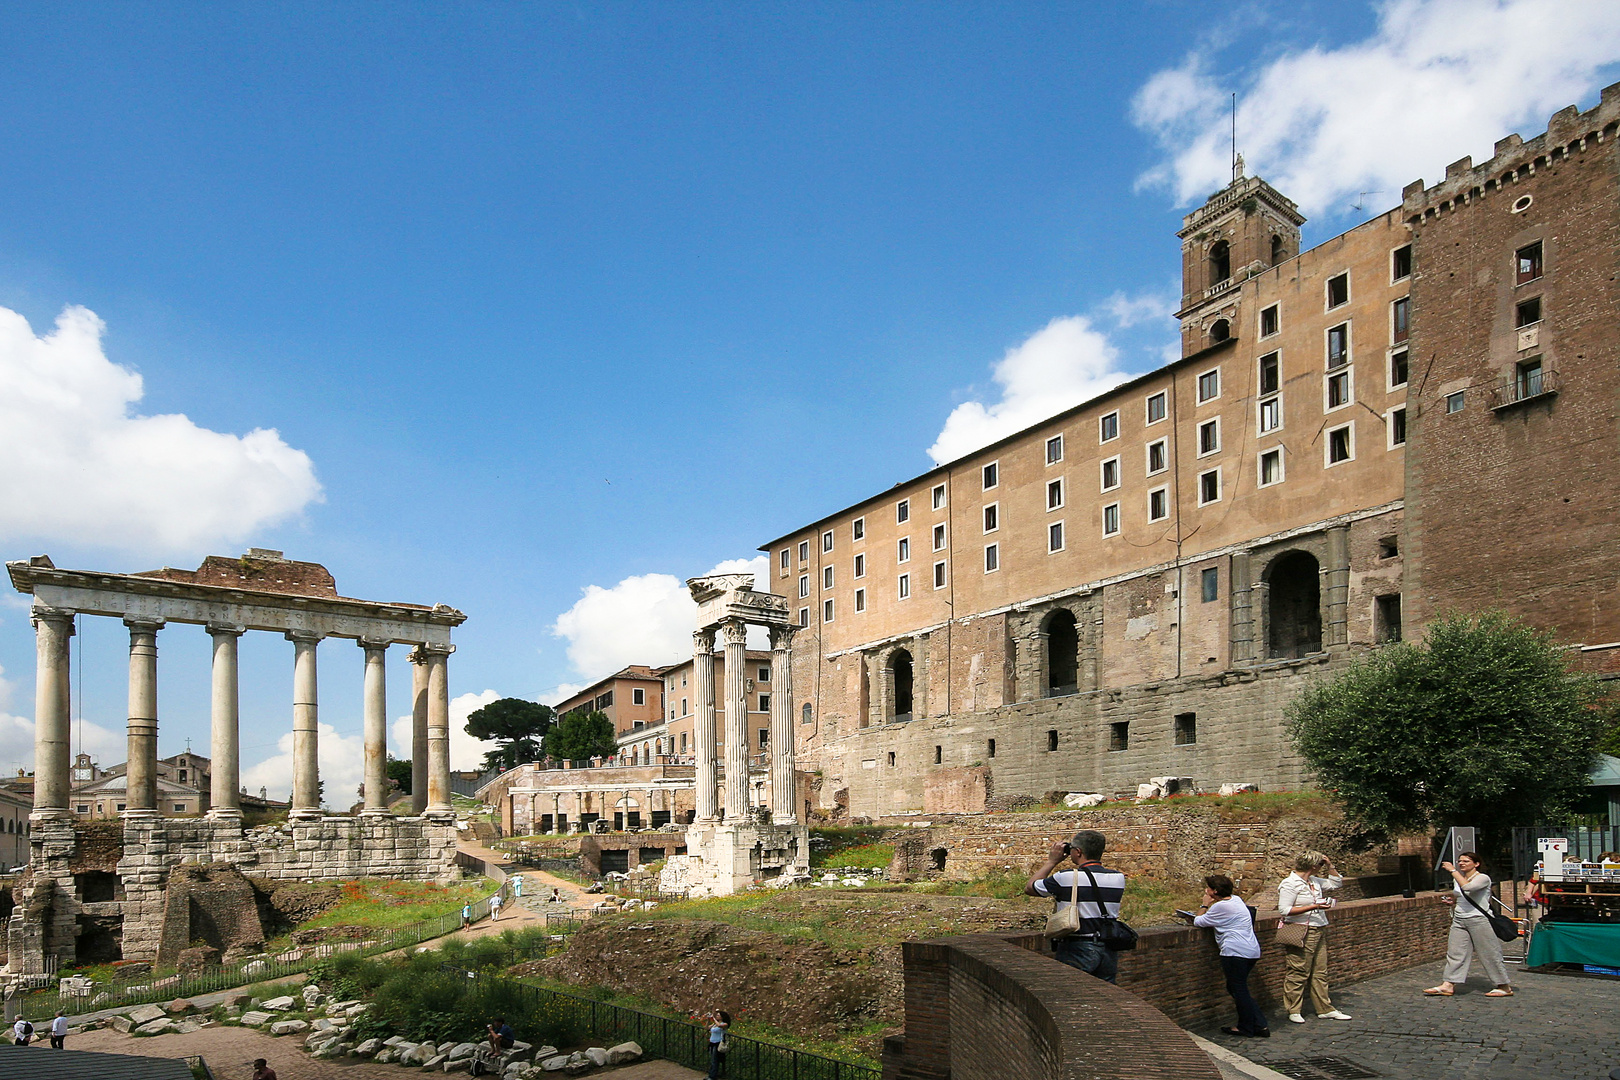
1301, 899
59, 1031
495, 907
1471, 933
1233, 923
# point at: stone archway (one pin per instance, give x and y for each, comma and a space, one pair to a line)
1294, 606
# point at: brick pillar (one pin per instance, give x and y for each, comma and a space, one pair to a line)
924, 1051
1242, 600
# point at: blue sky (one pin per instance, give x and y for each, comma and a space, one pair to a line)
540, 299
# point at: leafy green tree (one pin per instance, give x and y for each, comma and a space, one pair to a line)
1481, 724
581, 735
516, 726
399, 772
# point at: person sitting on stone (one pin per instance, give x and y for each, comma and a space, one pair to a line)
501, 1036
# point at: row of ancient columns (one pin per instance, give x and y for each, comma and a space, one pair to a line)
430, 791
607, 804
734, 640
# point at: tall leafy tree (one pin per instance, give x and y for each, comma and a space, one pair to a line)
518, 727
581, 735
399, 772
1483, 724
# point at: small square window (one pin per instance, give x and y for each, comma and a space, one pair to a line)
857, 529
905, 586
1271, 467
938, 496
1399, 361
1338, 290
939, 575
1209, 386
1054, 536
1338, 346
1111, 519
1209, 584
1388, 618
1054, 494
1400, 263
638, 696
1389, 546
787, 556
827, 540
826, 577
939, 537
1209, 487
1341, 444
1338, 390
1156, 407
1270, 373
903, 549
804, 551
1157, 457
1454, 402
860, 565
1119, 736
1400, 320
992, 475
1397, 427
826, 611
1054, 450
1110, 474
1529, 263
804, 585
1269, 321
902, 511
1270, 414
992, 558
764, 706
1158, 504
764, 674
1108, 427
1528, 312
1209, 437
860, 599
992, 518
804, 620
1186, 728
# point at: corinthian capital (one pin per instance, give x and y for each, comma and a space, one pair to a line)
782, 636
703, 641
734, 632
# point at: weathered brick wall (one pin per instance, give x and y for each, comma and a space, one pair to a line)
956, 791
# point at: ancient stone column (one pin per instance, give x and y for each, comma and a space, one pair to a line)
53, 630
374, 708
306, 797
783, 811
438, 730
556, 814
419, 738
703, 723
141, 772
734, 635
225, 742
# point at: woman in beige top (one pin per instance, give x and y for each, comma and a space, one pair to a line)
1471, 933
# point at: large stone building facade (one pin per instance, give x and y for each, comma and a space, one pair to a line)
1413, 417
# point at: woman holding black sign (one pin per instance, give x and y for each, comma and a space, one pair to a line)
1471, 932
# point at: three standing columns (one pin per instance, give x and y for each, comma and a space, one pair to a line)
53, 630
141, 770
306, 787
703, 723
225, 742
783, 811
734, 633
438, 730
375, 712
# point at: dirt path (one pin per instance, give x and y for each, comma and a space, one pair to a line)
537, 884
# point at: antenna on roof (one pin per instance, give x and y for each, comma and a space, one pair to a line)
1362, 198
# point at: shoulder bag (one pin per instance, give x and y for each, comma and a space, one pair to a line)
1503, 927
1115, 934
1065, 918
1290, 935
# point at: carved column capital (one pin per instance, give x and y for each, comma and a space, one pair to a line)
371, 643
782, 636
734, 632
47, 614
703, 640
304, 635
225, 629
144, 624
429, 649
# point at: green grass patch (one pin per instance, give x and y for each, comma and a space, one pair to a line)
831, 842
866, 856
392, 904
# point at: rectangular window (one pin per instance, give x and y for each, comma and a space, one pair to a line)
764, 706
764, 733
939, 754
1209, 584
827, 540
1269, 321
1111, 519
1338, 390
1270, 373
1209, 386
1397, 427
1398, 363
990, 748
1186, 728
1400, 319
1110, 474
804, 551
764, 674
860, 599
902, 511
1209, 437
857, 529
992, 517
804, 586
860, 565
891, 758
1271, 467
939, 575
1051, 741
1338, 346
992, 475
1527, 312
938, 496
1119, 736
903, 550
826, 611
1156, 407
826, 577
804, 620
1054, 494
1054, 450
1388, 616
905, 586
992, 558
786, 557
1529, 260
1528, 380
1270, 414
1454, 402
1158, 504
1157, 457
1209, 487
1341, 444
939, 537
638, 696
1400, 263
1054, 537
1338, 291
1108, 427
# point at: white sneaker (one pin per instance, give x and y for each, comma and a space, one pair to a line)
1334, 1015
1296, 1018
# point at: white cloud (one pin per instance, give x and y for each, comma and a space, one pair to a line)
646, 619
78, 464
340, 758
466, 752
17, 736
1129, 311
1059, 366
1436, 80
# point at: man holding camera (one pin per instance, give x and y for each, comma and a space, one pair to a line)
1097, 892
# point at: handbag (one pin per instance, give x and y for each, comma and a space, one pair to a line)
1291, 935
723, 1047
1065, 918
1503, 927
1115, 934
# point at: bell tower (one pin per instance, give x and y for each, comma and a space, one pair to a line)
1243, 230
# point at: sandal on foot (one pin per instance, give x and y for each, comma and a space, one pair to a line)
1500, 991
1435, 991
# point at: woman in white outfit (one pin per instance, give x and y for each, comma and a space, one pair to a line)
1300, 899
1471, 933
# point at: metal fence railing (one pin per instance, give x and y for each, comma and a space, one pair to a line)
687, 1043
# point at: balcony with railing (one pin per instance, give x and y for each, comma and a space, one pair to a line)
1526, 384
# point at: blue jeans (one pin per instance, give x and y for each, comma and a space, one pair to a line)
1236, 969
717, 1060
1091, 957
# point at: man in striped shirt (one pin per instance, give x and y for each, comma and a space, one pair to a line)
1098, 891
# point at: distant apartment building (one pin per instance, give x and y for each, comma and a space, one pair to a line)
630, 697
673, 737
14, 808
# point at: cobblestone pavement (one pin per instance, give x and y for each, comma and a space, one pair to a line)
1554, 1027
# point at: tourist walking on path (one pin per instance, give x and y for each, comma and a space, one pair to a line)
1302, 902
1098, 893
1233, 923
495, 907
1471, 933
466, 916
59, 1028
719, 1021
22, 1032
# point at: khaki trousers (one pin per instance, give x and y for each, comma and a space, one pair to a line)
1307, 966
1474, 938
